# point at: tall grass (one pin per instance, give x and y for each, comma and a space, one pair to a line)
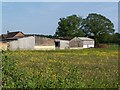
85, 68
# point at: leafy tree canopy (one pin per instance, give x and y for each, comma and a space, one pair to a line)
97, 25
69, 27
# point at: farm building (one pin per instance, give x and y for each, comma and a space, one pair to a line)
44, 43
18, 40
14, 35
24, 43
81, 42
61, 44
10, 36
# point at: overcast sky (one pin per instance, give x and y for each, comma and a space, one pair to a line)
43, 17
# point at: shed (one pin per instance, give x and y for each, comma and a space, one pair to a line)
61, 44
44, 43
24, 43
82, 42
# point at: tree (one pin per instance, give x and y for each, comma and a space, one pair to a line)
110, 38
115, 38
97, 25
69, 27
107, 38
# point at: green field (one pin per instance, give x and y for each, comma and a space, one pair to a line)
85, 68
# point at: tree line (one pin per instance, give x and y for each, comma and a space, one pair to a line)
95, 26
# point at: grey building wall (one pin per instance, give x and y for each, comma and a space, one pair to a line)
13, 45
26, 43
64, 44
75, 42
44, 41
61, 44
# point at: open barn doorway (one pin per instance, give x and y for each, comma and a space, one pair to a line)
57, 45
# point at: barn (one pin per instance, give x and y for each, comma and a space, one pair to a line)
16, 41
61, 44
10, 36
24, 43
81, 42
20, 41
44, 43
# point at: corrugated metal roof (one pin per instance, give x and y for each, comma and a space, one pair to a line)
85, 38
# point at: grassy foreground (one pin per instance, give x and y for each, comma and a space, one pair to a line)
87, 68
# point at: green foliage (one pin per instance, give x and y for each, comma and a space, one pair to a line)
110, 38
115, 38
69, 27
87, 68
98, 26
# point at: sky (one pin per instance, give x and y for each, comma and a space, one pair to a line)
43, 17
59, 0
119, 17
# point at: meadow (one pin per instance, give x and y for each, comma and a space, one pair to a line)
84, 68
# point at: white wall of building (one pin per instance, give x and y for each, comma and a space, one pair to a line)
88, 46
26, 43
64, 44
44, 47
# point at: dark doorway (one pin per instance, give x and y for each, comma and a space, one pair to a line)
57, 44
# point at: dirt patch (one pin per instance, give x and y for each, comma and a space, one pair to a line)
102, 46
